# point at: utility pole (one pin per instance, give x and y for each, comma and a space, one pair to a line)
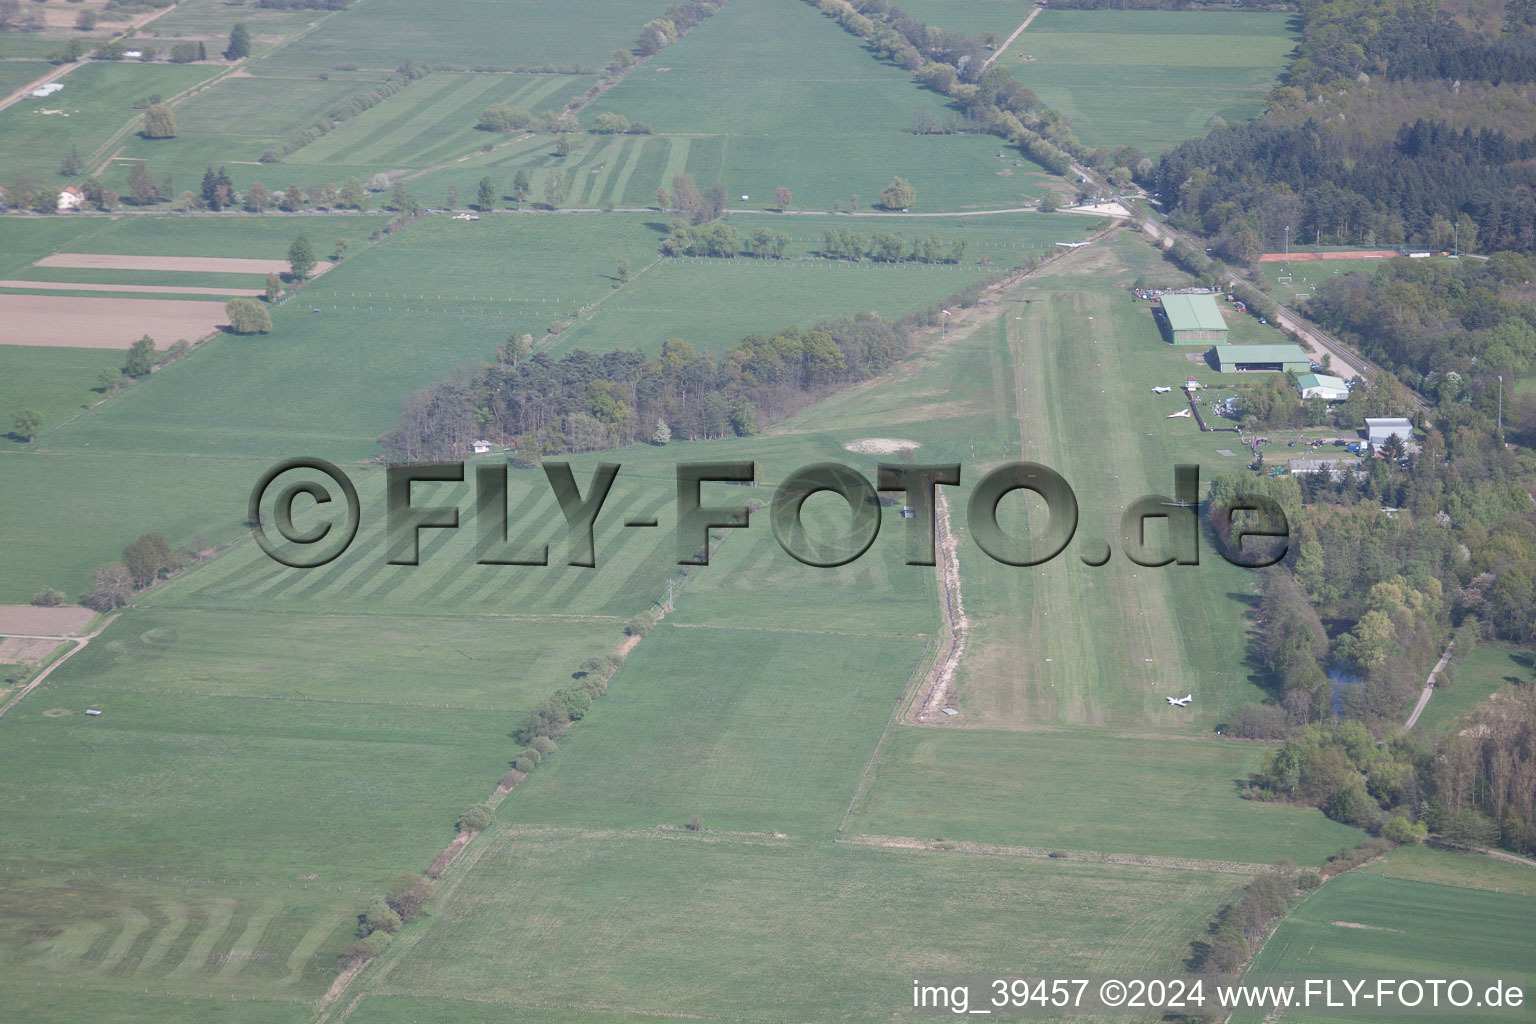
1501, 408
1287, 245
1456, 238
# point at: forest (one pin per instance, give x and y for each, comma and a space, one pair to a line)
585, 402
1336, 158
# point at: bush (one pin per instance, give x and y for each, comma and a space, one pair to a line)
380, 918
523, 764
476, 818
373, 944
409, 895
695, 824
512, 778
530, 754
1259, 722
641, 624
1400, 830
1308, 880
48, 598
544, 745
577, 704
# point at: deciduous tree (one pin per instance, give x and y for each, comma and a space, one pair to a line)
247, 316
301, 258
159, 122
239, 42
898, 195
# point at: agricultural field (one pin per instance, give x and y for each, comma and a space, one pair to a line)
469, 34
973, 17
1151, 79
801, 787
100, 104
664, 923
57, 382
1087, 790
1370, 923
753, 123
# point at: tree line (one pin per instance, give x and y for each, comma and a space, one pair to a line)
953, 64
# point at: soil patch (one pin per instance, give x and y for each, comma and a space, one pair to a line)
30, 620
881, 446
195, 264
162, 289
17, 650
68, 321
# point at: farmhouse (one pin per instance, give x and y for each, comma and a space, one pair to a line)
1380, 428
1320, 385
1250, 358
71, 198
1193, 319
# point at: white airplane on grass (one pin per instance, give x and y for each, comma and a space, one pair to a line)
1176, 415
1180, 702
1161, 390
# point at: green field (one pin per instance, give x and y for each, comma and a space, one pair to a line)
97, 101
973, 17
1458, 868
1365, 922
1087, 790
212, 20
829, 125
57, 382
254, 779
467, 34
716, 926
1151, 79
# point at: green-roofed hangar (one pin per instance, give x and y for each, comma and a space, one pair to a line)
1249, 358
1193, 320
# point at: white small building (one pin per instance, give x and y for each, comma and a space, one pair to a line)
1320, 385
134, 54
1378, 429
480, 447
71, 198
46, 90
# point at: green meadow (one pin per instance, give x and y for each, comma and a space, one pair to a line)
661, 923
1151, 79
1365, 922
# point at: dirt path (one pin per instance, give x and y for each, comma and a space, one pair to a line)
1123, 859
1429, 688
938, 688
1497, 854
79, 642
1016, 33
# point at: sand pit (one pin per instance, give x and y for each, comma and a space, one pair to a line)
73, 322
158, 289
30, 620
881, 446
195, 264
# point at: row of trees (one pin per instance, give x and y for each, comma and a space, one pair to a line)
407, 73
889, 247
723, 241
954, 64
149, 558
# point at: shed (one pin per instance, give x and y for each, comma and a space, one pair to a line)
1379, 428
1250, 358
1193, 319
1320, 385
480, 447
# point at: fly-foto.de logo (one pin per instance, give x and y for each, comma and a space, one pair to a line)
333, 514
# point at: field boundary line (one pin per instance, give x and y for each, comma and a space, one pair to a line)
902, 701
791, 629
1130, 860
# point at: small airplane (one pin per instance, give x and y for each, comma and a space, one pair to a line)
1176, 415
1161, 390
1180, 702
